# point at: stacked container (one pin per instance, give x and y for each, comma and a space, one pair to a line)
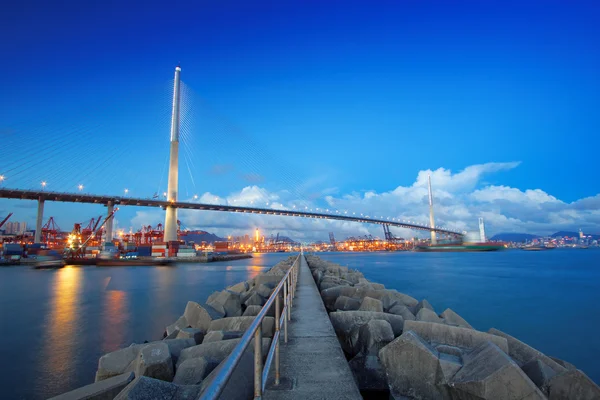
186, 252
159, 249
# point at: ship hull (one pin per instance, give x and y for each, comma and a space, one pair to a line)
458, 248
131, 263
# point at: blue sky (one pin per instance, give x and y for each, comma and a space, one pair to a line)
345, 98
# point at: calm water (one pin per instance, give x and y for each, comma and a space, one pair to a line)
56, 324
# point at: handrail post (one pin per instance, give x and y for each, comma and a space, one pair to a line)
277, 330
289, 293
286, 306
258, 367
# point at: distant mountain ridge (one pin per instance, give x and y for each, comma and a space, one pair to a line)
202, 236
513, 237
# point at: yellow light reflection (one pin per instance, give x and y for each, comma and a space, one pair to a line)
115, 317
62, 322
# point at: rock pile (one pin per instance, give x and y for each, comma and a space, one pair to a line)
186, 360
398, 344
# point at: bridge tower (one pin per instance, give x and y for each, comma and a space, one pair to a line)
171, 214
431, 221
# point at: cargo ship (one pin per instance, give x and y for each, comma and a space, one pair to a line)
538, 248
460, 247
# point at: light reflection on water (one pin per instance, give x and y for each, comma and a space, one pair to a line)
115, 315
62, 321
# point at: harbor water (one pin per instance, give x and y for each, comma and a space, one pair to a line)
57, 323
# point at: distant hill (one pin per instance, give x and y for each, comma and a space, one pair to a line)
513, 237
202, 236
286, 239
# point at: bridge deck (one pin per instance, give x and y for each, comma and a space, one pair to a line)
312, 362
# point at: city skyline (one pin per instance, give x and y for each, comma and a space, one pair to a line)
495, 101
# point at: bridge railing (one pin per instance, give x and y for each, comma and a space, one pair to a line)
254, 332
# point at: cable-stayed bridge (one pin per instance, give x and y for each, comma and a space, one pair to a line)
171, 202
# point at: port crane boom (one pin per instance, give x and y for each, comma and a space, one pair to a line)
5, 219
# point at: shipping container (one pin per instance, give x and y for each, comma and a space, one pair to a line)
144, 251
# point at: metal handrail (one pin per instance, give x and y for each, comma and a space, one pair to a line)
288, 284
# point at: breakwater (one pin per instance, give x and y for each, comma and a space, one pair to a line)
186, 360
395, 343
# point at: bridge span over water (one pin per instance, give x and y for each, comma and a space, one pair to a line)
111, 201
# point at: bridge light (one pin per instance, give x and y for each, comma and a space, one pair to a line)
44, 184
195, 196
126, 191
80, 187
2, 178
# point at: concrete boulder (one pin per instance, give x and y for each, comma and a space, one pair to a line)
193, 371
178, 325
106, 389
412, 368
403, 311
239, 288
143, 388
230, 302
241, 384
423, 304
191, 333
241, 324
264, 291
372, 336
215, 336
371, 304
539, 373
117, 362
489, 373
346, 323
572, 384
172, 335
330, 295
252, 311
452, 318
345, 303
368, 372
154, 361
177, 345
217, 351
564, 363
255, 300
332, 281
453, 335
427, 315
269, 280
522, 353
200, 316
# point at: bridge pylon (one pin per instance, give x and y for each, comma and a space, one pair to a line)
171, 212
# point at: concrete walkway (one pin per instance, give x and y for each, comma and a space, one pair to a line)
313, 365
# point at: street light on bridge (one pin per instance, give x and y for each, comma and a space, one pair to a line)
44, 185
80, 187
126, 191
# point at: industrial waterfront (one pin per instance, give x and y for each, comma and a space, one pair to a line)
67, 318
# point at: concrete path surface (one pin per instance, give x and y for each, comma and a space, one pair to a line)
313, 365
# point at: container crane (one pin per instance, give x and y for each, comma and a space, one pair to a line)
50, 232
332, 241
78, 252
